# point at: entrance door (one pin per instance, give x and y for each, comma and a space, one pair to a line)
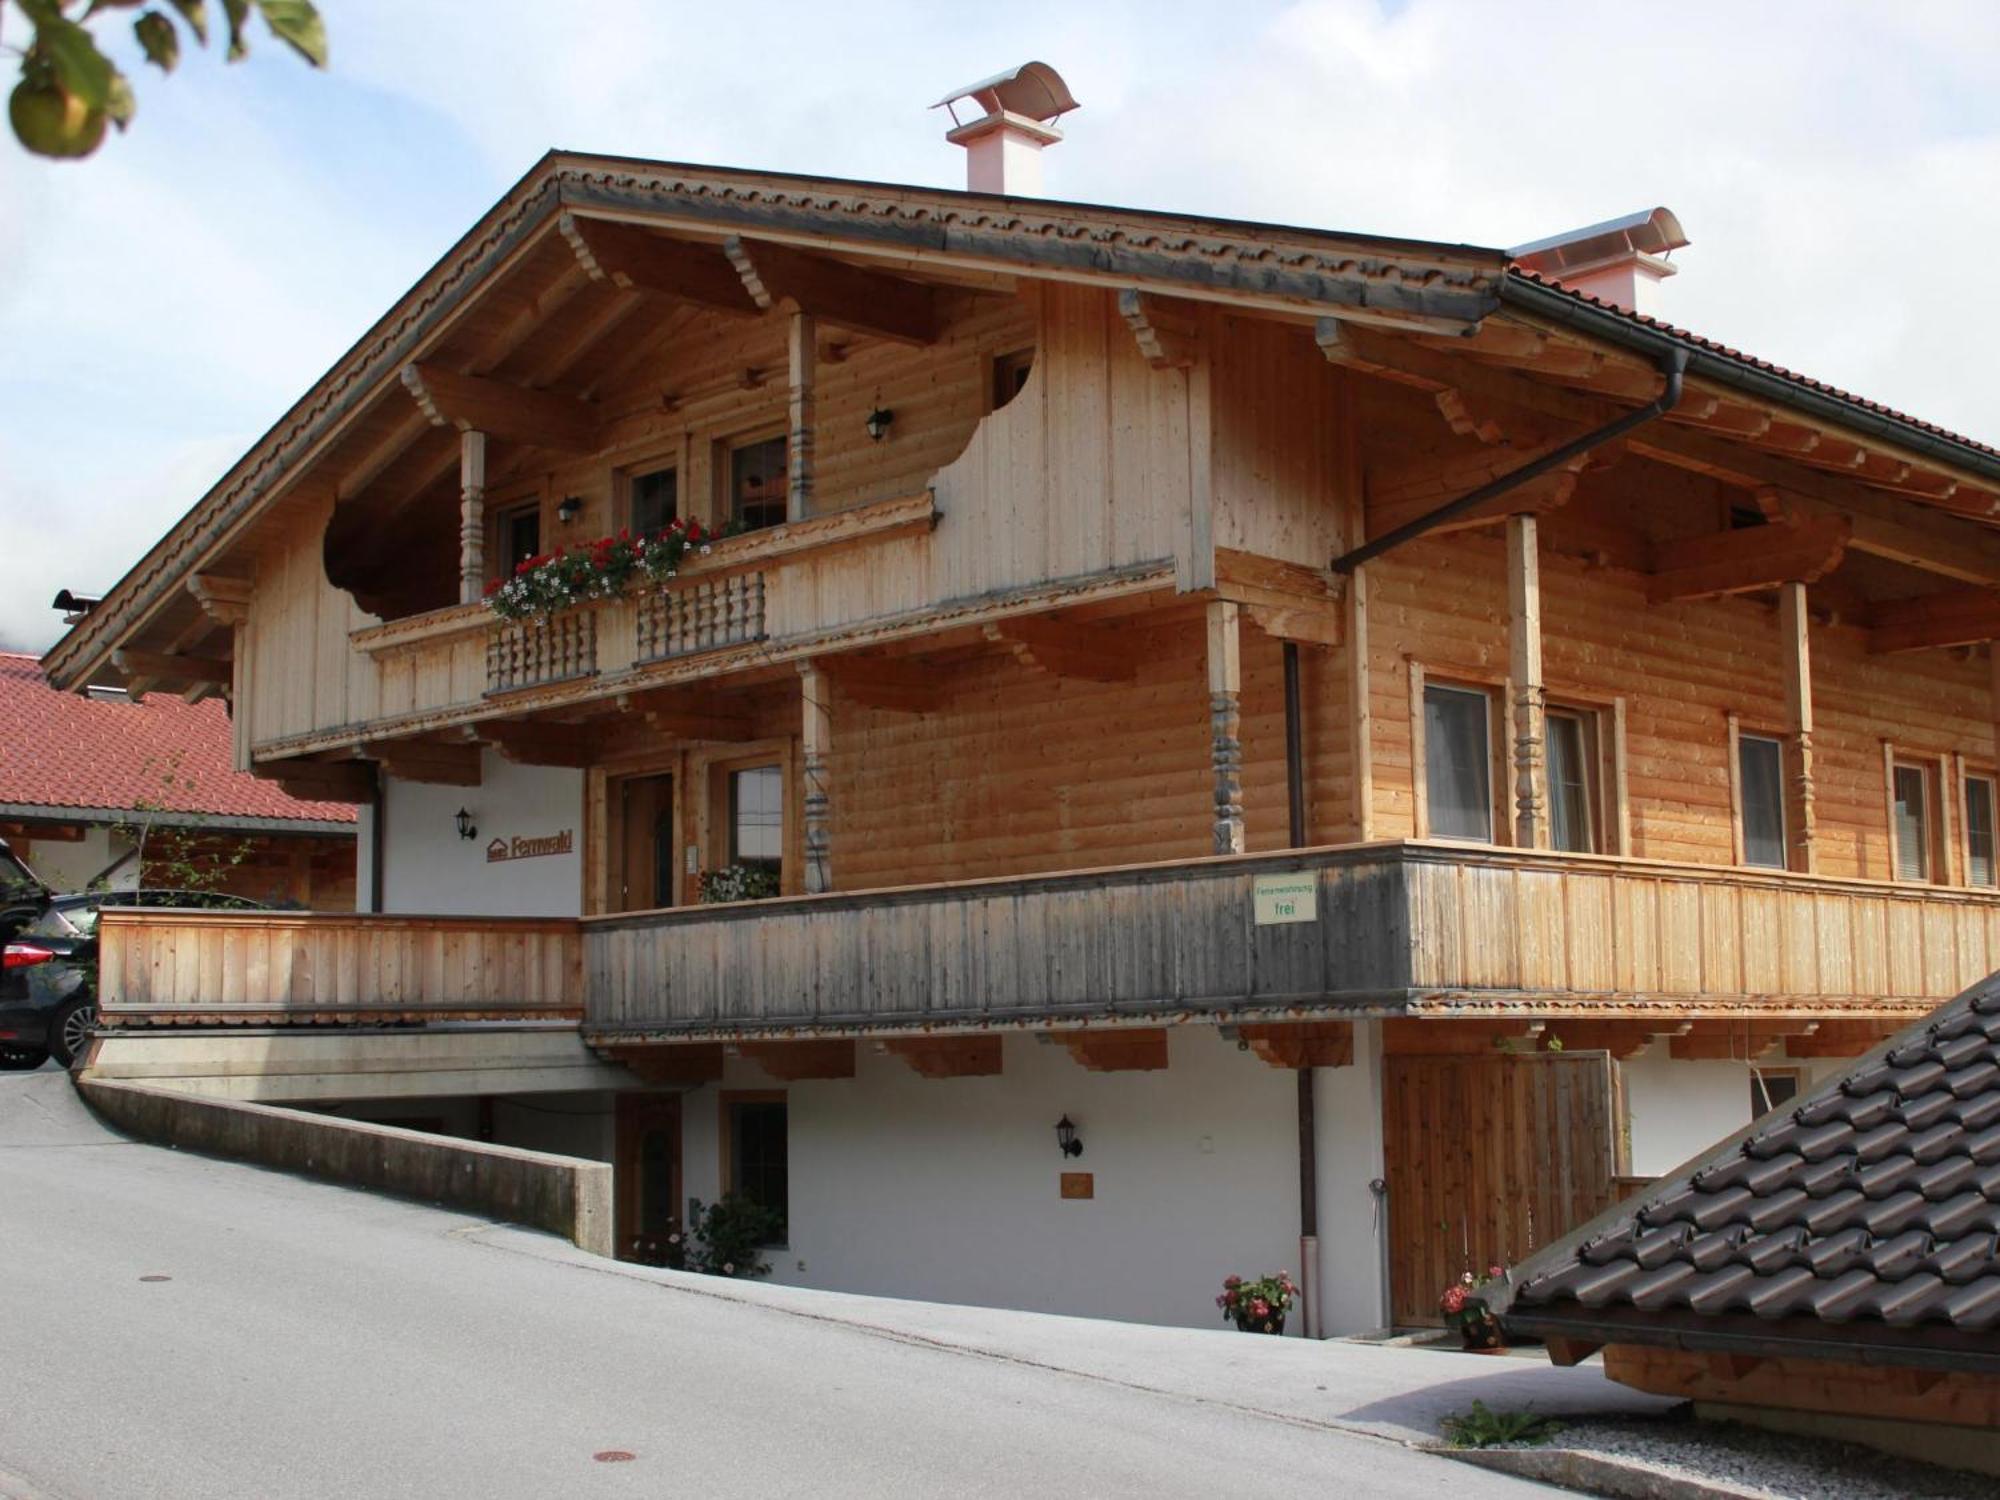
649, 1176
1489, 1158
646, 842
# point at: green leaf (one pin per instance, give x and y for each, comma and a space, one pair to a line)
296, 22
161, 43
195, 13
119, 104
79, 66
41, 12
236, 12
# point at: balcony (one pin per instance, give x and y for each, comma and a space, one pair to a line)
1392, 928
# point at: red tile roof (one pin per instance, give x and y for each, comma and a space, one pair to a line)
103, 752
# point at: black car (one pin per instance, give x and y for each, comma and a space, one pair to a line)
48, 984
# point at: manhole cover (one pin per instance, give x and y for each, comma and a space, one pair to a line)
614, 1456
156, 1278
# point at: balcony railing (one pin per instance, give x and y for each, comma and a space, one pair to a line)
704, 615
161, 966
538, 652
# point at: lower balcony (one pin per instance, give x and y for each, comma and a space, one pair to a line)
1390, 929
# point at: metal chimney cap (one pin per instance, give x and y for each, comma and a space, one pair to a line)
1034, 90
1653, 231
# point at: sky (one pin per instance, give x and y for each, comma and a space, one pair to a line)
163, 302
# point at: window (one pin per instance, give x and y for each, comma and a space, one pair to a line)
757, 818
1760, 776
1771, 1087
756, 1153
1573, 800
1010, 373
1911, 791
1979, 831
757, 484
653, 501
520, 537
1458, 763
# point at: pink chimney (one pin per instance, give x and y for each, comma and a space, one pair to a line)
1003, 147
1621, 261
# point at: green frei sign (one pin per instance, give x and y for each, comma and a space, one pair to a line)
1285, 898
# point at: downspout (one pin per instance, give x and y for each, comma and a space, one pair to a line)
378, 819
1295, 788
1673, 365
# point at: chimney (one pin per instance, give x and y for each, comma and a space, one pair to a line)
1003, 147
1621, 261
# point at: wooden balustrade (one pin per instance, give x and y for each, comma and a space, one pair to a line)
700, 614
159, 967
538, 652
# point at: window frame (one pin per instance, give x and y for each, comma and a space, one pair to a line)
732, 827
999, 367
629, 478
1760, 1080
1739, 737
1989, 779
1424, 684
502, 519
728, 1102
1931, 868
1591, 757
741, 443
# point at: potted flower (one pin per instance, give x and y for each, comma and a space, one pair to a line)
1257, 1306
551, 582
1466, 1310
736, 883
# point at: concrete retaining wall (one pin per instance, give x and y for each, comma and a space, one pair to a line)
563, 1194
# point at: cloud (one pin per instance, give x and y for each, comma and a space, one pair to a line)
167, 300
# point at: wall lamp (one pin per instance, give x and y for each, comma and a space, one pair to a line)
878, 422
1066, 1137
465, 828
570, 507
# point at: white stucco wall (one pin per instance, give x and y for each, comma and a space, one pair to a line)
71, 867
1680, 1109
428, 868
947, 1189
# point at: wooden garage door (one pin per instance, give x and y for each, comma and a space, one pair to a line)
1488, 1159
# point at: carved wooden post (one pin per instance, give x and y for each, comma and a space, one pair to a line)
1360, 717
799, 450
1524, 623
1225, 719
1793, 624
471, 516
816, 738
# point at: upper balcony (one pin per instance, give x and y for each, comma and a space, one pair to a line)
1623, 949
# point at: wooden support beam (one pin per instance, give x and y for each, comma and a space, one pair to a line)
1166, 331
1621, 1038
320, 780
538, 744
816, 748
1525, 686
1730, 1368
538, 419
1955, 617
1119, 1049
224, 600
372, 464
1225, 723
1845, 1037
1899, 531
471, 517
1738, 1040
793, 1062
671, 1062
161, 666
1305, 624
1569, 1351
642, 261
1094, 653
1426, 1036
1749, 559
948, 1056
1360, 710
1802, 819
803, 363
847, 296
1300, 1044
432, 761
885, 683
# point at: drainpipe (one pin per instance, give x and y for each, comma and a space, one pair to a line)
378, 819
1295, 788
1673, 365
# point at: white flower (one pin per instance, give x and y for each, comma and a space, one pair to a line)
704, 549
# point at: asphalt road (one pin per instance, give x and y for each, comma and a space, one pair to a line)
310, 1340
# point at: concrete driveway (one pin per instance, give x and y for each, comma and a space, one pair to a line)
310, 1340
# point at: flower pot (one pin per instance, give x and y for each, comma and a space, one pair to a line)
1273, 1325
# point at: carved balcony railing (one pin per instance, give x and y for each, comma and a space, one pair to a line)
538, 652
700, 614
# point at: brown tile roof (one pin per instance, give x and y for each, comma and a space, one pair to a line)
109, 754
1870, 1211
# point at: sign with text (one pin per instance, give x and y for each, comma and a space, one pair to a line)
1285, 898
517, 848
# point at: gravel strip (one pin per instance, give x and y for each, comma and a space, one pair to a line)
1771, 1463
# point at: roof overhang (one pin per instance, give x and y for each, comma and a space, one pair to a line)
210, 822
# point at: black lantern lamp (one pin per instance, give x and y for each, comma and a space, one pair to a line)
569, 509
465, 828
878, 422
1066, 1137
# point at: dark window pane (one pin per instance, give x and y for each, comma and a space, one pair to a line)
1760, 770
1010, 373
757, 818
1913, 845
1458, 767
1769, 1090
1572, 806
1978, 831
655, 501
757, 1156
757, 484
520, 538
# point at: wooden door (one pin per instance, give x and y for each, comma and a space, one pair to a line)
648, 1207
646, 843
1490, 1158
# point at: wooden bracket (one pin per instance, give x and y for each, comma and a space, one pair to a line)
226, 601
476, 403
1726, 1038
792, 1062
866, 301
1091, 652
948, 1056
1748, 559
433, 761
1118, 1050
1955, 617
1166, 331
671, 1062
642, 261
1300, 1044
161, 666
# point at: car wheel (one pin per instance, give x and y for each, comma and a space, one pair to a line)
20, 1059
69, 1030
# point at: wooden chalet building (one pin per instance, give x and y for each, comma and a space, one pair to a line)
1376, 735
